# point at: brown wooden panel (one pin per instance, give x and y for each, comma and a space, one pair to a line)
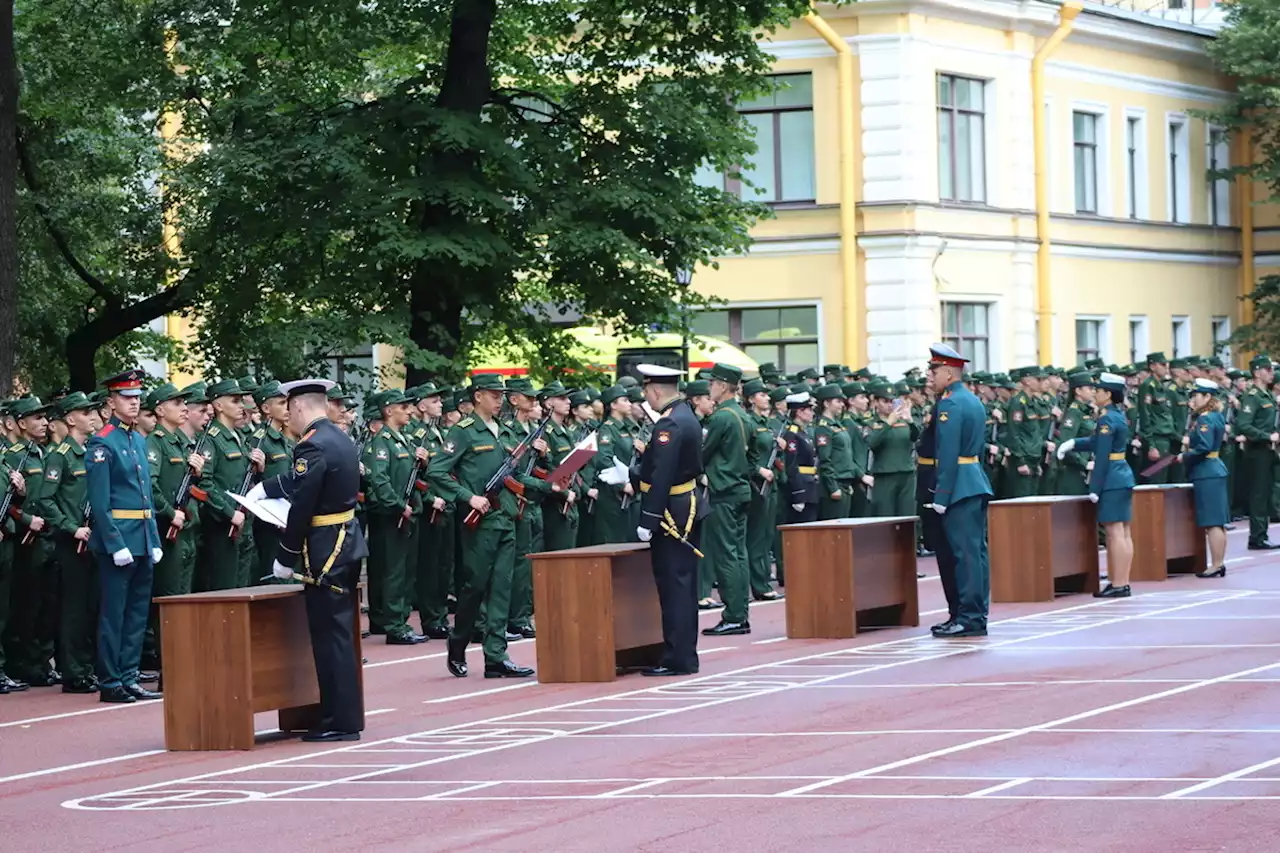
1074, 546
208, 694
820, 599
637, 613
1149, 536
248, 593
573, 597
284, 672
1020, 569
1185, 545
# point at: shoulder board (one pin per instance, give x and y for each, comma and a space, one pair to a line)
466, 422
63, 448
259, 432
105, 431
214, 431
309, 433
17, 448
793, 428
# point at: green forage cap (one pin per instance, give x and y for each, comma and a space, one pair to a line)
196, 392
613, 392
247, 384
778, 395
486, 382
24, 406
1260, 361
579, 398
698, 388
76, 401
883, 390
828, 392
553, 389
225, 388
753, 387
520, 385
853, 389
266, 391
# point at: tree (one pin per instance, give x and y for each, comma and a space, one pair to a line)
1245, 49
8, 200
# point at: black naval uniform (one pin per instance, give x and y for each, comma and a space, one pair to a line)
669, 469
802, 476
322, 531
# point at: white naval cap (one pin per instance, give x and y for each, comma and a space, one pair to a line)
1207, 386
306, 386
1111, 382
797, 401
658, 373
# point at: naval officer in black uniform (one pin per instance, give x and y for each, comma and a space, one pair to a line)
802, 460
322, 546
671, 513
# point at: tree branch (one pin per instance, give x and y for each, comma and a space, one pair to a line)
59, 239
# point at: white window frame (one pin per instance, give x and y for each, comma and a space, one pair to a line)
1139, 337
1181, 344
995, 350
1104, 333
1140, 179
1217, 190
1102, 153
748, 304
1177, 187
1223, 321
987, 96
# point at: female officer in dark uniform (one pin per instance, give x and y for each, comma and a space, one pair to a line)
1208, 473
1111, 485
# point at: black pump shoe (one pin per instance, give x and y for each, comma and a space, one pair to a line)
1220, 572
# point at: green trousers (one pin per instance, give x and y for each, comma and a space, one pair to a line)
894, 495
33, 609
433, 575
1018, 485
173, 575
529, 540
780, 510
77, 611
1165, 446
560, 529
1049, 479
829, 507
1073, 481
724, 542
614, 523
125, 599
761, 513
1259, 462
859, 506
223, 562
266, 544
392, 544
487, 558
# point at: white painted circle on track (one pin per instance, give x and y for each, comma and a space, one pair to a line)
166, 800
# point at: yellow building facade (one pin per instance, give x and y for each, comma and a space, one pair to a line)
1144, 251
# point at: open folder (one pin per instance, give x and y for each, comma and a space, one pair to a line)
572, 464
271, 510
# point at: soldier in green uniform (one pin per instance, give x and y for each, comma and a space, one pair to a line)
251, 418
34, 591
1026, 446
560, 516
1180, 393
10, 482
1050, 423
584, 424
836, 470
63, 502
763, 506
778, 422
613, 521
389, 461
277, 453
170, 455
726, 452
1077, 422
529, 520
471, 455
1157, 400
222, 564
891, 439
1257, 423
856, 418
433, 579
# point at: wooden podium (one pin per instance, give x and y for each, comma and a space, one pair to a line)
1040, 546
848, 574
1166, 539
598, 612
232, 653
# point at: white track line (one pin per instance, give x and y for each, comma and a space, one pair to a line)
462, 696
1226, 777
79, 765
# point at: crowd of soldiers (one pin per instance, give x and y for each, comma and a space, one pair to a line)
443, 539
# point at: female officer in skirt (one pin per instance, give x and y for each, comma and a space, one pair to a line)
1111, 485
1208, 473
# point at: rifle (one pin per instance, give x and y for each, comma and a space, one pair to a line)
410, 486
773, 457
995, 441
501, 477
249, 473
7, 502
1053, 427
86, 516
187, 489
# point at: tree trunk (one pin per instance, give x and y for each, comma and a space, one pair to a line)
81, 345
8, 200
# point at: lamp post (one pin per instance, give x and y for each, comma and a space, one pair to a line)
684, 278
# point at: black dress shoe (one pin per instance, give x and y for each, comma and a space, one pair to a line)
1220, 572
958, 630
512, 636
117, 695
726, 629
1110, 591
1262, 546
83, 686
148, 677
44, 679
9, 685
771, 595
924, 552
409, 639
330, 737
137, 691
364, 635
665, 671
506, 669
456, 658
440, 632
528, 633
920, 575
942, 626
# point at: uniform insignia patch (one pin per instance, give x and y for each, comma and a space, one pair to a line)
1068, 423
1017, 416
822, 441
152, 456
466, 422
99, 455
1204, 428
300, 467
448, 447
942, 418
52, 475
1247, 410
382, 454
664, 437
1104, 429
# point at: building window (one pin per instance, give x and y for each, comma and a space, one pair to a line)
1178, 171
1219, 188
962, 174
1091, 333
1139, 343
1181, 337
786, 336
782, 123
1132, 135
1221, 334
354, 370
1084, 129
964, 328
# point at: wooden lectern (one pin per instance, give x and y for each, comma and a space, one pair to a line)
1166, 540
1040, 546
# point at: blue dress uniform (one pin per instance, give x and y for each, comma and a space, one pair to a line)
125, 542
960, 497
672, 510
322, 535
1112, 480
1207, 472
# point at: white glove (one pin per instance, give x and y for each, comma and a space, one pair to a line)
157, 554
1065, 447
615, 475
940, 509
798, 507
257, 493
1093, 498
283, 572
122, 557
644, 533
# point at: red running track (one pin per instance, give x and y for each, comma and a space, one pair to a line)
1140, 725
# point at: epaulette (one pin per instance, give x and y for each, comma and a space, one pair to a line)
17, 448
310, 433
466, 422
105, 431
793, 428
259, 432
62, 448
214, 431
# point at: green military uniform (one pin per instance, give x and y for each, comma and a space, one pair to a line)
762, 509
433, 576
579, 432
167, 454
7, 537
1049, 426
390, 462
1026, 445
1157, 400
64, 502
856, 424
1077, 422
277, 448
613, 522
529, 523
836, 469
781, 488
894, 466
1257, 423
561, 518
222, 562
472, 453
31, 639
726, 459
